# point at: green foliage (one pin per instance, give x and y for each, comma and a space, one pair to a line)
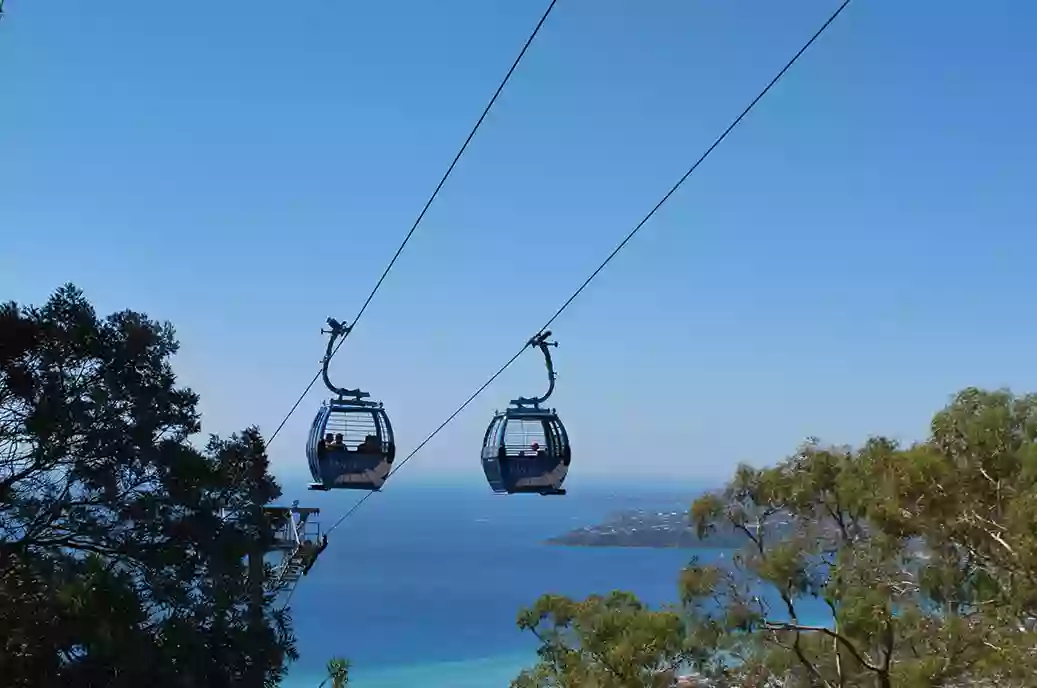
338, 673
116, 567
925, 557
602, 642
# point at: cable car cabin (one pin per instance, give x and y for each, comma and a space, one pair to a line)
350, 446
526, 450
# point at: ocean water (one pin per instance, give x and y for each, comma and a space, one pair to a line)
422, 585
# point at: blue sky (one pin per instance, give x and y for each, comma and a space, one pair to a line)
858, 249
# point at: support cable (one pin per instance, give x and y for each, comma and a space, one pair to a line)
424, 210
612, 255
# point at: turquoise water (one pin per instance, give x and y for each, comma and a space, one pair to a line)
422, 585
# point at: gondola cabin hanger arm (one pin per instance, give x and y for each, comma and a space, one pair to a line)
338, 330
540, 341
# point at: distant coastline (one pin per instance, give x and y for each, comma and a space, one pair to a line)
648, 528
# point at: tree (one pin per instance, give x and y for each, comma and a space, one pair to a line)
338, 673
118, 563
608, 641
923, 557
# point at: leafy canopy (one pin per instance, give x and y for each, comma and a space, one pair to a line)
117, 567
882, 566
338, 673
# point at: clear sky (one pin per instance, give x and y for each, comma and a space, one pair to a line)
861, 246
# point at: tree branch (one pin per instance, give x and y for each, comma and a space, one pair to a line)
845, 642
797, 647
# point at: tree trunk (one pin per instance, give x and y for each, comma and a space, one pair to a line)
257, 616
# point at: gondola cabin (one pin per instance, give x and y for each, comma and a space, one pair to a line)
526, 450
350, 446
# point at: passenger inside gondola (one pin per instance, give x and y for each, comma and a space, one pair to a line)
370, 445
338, 442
